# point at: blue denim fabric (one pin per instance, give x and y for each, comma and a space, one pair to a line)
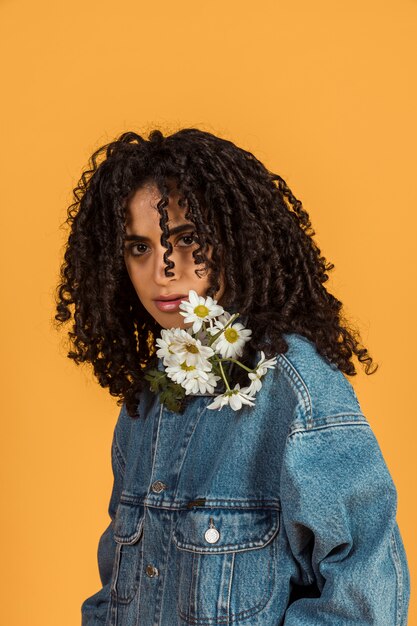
295, 492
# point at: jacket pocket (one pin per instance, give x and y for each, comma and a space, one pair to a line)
226, 563
128, 528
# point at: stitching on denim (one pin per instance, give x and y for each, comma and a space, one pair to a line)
168, 561
156, 447
242, 614
338, 419
140, 547
299, 383
318, 420
115, 611
116, 570
118, 456
132, 538
193, 585
232, 568
397, 566
303, 431
227, 549
237, 504
116, 437
121, 549
182, 505
184, 454
181, 583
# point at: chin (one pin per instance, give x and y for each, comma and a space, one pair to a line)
173, 321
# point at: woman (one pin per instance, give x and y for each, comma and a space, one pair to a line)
281, 512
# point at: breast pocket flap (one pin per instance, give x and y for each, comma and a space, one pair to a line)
218, 530
128, 522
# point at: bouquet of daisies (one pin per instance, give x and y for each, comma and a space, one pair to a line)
196, 358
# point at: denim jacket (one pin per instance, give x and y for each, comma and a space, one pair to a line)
283, 513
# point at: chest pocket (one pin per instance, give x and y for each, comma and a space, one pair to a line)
225, 563
128, 529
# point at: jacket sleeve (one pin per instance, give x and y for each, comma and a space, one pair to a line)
94, 609
339, 514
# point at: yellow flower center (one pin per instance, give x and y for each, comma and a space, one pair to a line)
191, 347
201, 310
187, 368
231, 335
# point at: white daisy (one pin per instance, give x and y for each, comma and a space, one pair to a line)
235, 398
219, 402
180, 342
201, 383
193, 351
263, 365
261, 369
180, 372
255, 385
231, 342
198, 310
169, 341
218, 324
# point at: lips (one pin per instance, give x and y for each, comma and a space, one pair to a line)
170, 297
169, 303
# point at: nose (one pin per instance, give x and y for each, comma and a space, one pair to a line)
159, 267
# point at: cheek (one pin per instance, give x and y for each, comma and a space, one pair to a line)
129, 269
133, 275
221, 291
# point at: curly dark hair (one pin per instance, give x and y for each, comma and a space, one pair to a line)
258, 229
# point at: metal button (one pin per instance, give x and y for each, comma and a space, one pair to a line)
211, 535
158, 486
151, 571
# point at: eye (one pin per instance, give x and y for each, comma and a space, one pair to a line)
189, 239
139, 249
133, 246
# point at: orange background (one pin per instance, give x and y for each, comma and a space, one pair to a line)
323, 93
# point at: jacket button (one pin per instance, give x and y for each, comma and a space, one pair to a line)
211, 535
151, 571
158, 486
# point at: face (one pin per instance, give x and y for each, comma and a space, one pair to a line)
144, 257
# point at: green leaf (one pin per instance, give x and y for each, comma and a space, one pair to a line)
158, 380
171, 393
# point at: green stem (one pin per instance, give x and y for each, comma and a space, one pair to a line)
223, 375
248, 369
214, 337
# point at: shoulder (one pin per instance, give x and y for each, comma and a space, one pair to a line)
324, 393
121, 435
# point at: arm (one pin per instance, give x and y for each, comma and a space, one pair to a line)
338, 507
94, 608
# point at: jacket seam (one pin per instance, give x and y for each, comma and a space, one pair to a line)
397, 566
303, 393
305, 430
120, 460
298, 382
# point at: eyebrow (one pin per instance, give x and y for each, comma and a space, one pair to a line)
174, 231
